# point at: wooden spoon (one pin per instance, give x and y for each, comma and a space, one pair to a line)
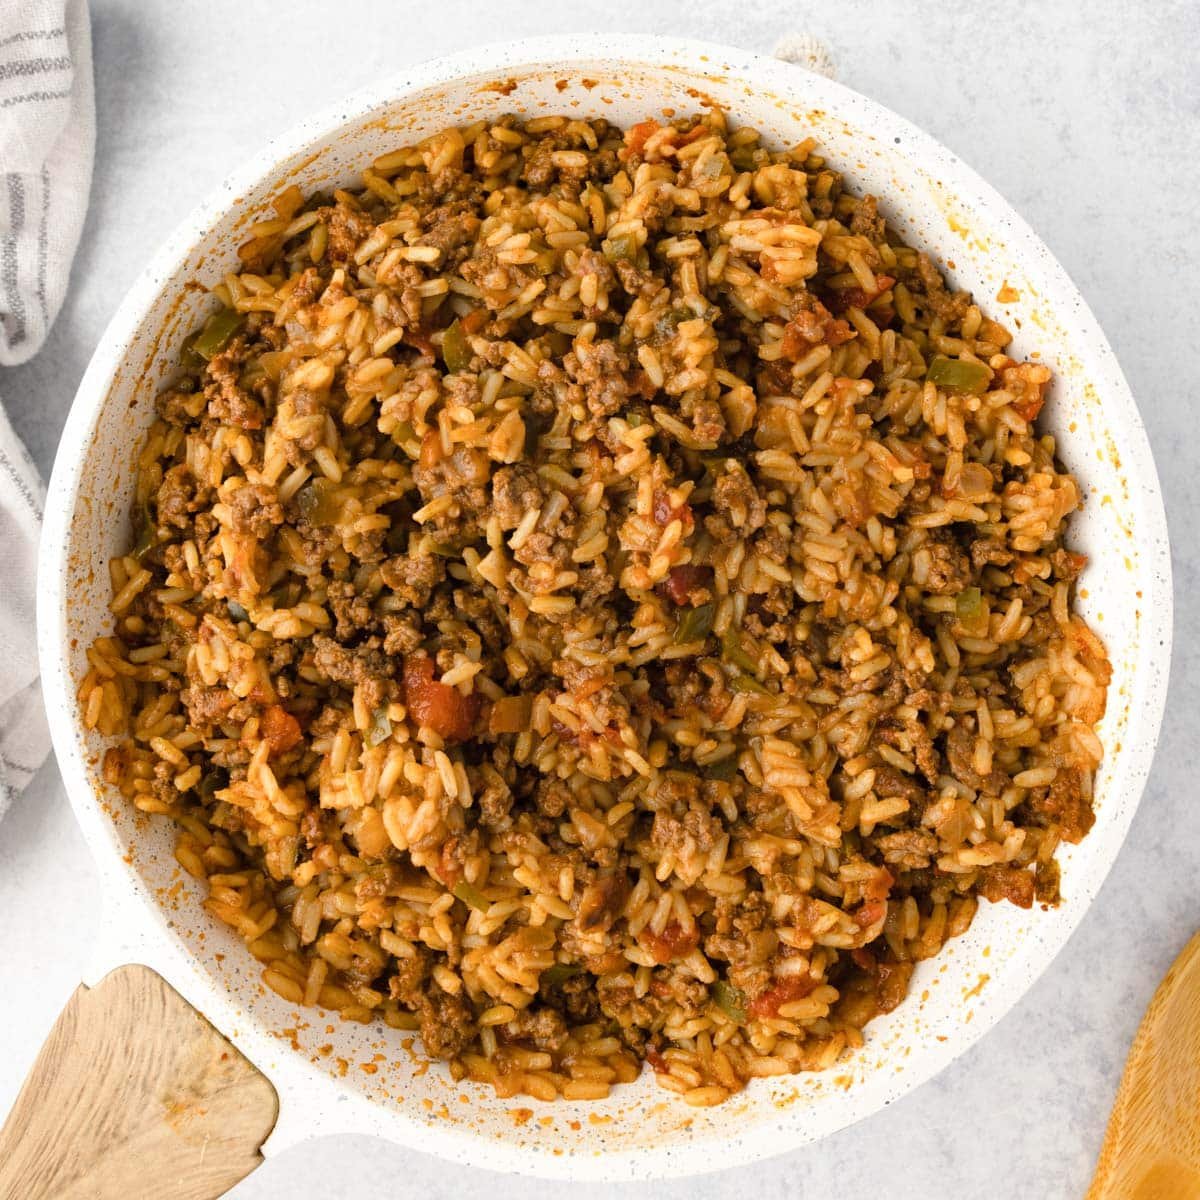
1152, 1148
134, 1095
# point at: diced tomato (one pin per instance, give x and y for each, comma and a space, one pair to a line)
811, 327
437, 706
682, 581
475, 320
279, 729
448, 868
420, 339
664, 512
639, 135
841, 299
656, 1061
870, 913
794, 988
1029, 409
1028, 383
672, 943
250, 565
879, 885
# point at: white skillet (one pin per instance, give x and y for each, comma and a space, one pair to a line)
152, 913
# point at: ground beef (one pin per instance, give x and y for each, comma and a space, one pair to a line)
543, 1028
462, 475
353, 613
306, 403
599, 369
812, 325
539, 164
365, 665
279, 658
913, 731
1047, 879
738, 508
308, 286
602, 900
1007, 883
312, 831
989, 552
348, 229
578, 998
886, 981
949, 566
740, 924
495, 800
207, 706
1066, 565
907, 848
637, 282
889, 782
595, 584
228, 402
551, 797
495, 280
450, 227
179, 407
402, 634
447, 1027
960, 754
548, 550
412, 578
949, 306
177, 497
515, 491
256, 510
866, 221
696, 829
1064, 804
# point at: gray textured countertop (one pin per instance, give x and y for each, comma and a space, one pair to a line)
1087, 117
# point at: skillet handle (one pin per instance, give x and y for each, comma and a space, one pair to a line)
134, 1094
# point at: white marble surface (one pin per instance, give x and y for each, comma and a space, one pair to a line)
1087, 117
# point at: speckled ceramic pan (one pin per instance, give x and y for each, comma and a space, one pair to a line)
153, 914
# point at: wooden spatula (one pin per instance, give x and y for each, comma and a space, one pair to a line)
1152, 1148
134, 1095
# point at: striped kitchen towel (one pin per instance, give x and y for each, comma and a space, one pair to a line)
47, 132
